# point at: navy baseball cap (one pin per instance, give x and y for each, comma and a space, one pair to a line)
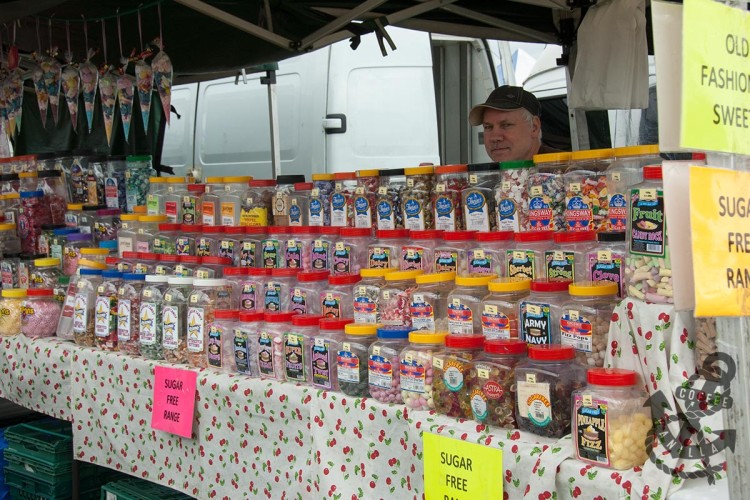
506, 98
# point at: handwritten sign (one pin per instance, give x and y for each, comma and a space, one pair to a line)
174, 400
457, 470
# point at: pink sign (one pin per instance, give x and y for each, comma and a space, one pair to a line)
174, 400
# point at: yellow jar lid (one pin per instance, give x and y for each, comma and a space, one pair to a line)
419, 170
435, 278
214, 180
94, 251
92, 264
474, 280
403, 275
646, 149
361, 329
129, 217
14, 293
322, 177
591, 154
75, 206
8, 226
27, 175
375, 273
15, 196
368, 173
552, 158
47, 261
238, 179
176, 180
152, 218
592, 288
139, 209
421, 337
509, 285
157, 180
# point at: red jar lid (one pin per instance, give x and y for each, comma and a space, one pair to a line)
129, 255
169, 226
189, 259
355, 232
505, 346
148, 256
334, 324
494, 236
234, 229
236, 271
575, 236
279, 230
652, 172
330, 230
39, 292
226, 314
111, 261
611, 376
192, 228
255, 230
196, 188
459, 235
307, 276
169, 258
451, 169
464, 341
306, 320
305, 230
279, 317
247, 317
217, 261
426, 234
553, 352
213, 229
543, 285
262, 183
259, 271
344, 176
303, 186
528, 236
285, 272
344, 279
392, 233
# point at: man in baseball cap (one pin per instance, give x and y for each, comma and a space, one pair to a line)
512, 128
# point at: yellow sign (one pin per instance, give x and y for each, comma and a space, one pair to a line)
457, 470
715, 78
720, 227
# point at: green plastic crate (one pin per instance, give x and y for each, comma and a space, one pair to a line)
138, 489
33, 464
48, 486
15, 494
48, 440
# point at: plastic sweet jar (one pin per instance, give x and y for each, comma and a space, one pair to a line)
148, 228
389, 211
512, 197
251, 295
10, 311
33, 214
492, 382
479, 198
539, 313
586, 198
190, 205
342, 199
206, 297
271, 361
606, 262
68, 296
45, 273
350, 252
281, 203
383, 364
157, 186
352, 359
488, 252
165, 238
230, 243
428, 302
298, 204
172, 198
230, 200
500, 308
277, 290
72, 251
321, 258
322, 353
451, 256
296, 347
83, 306
416, 200
525, 259
95, 173
45, 239
365, 198
251, 244
585, 318
40, 313
544, 387
394, 298
105, 319
366, 295
256, 208
207, 243
136, 181
212, 267
319, 213
451, 370
648, 273
566, 260
298, 248
185, 242
150, 315
336, 300
128, 313
611, 420
106, 225
114, 182
450, 181
87, 221
9, 241
385, 251
416, 371
464, 303
174, 319
246, 333
127, 234
211, 202
272, 247
624, 171
419, 252
219, 340
9, 270
305, 293
546, 192
55, 194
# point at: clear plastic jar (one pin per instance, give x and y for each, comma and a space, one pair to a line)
479, 198
492, 382
10, 311
207, 296
128, 262
190, 205
256, 209
105, 320
165, 238
11, 207
114, 182
9, 241
25, 263
546, 192
305, 294
322, 249
451, 256
28, 181
336, 299
77, 177
33, 213
625, 171
586, 198
297, 347
272, 248
219, 340
451, 370
526, 259
246, 333
184, 244
320, 200
544, 386
419, 252
87, 220
58, 241
72, 251
52, 185
648, 273
385, 251
9, 270
352, 359
83, 306
416, 371
298, 248
277, 290
567, 259
611, 421
383, 364
342, 199
127, 234
365, 199
65, 322
463, 311
229, 243
150, 316
605, 262
45, 273
418, 213
148, 228
539, 313
271, 360
172, 199
39, 313
450, 181
488, 253
89, 255
512, 196
350, 251
230, 199
394, 298
390, 214
145, 263
366, 295
8, 234
207, 243
174, 319
10, 183
251, 296
251, 247
298, 204
500, 308
428, 302
106, 225
585, 318
166, 265
323, 353
211, 202
136, 181
156, 189
128, 313
211, 267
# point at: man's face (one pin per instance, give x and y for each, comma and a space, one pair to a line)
508, 136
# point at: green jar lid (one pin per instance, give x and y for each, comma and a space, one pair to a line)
512, 165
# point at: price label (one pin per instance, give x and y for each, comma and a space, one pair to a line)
440, 188
473, 179
616, 176
121, 290
148, 293
408, 358
340, 246
338, 186
329, 296
536, 191
573, 315
297, 292
359, 190
483, 373
587, 400
264, 335
382, 190
437, 363
291, 243
531, 378
519, 255
362, 290
410, 253
490, 309
604, 256
456, 302
506, 185
318, 244
168, 297
376, 350
575, 187
647, 194
279, 195
386, 294
294, 201
558, 255
186, 199
227, 187
346, 347
193, 299
292, 338
409, 182
320, 342
100, 289
224, 244
534, 309
315, 192
418, 298
479, 254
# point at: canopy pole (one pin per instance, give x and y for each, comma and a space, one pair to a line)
273, 119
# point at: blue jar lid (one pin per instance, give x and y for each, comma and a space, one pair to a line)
32, 194
394, 332
79, 236
134, 276
111, 273
108, 244
65, 230
91, 272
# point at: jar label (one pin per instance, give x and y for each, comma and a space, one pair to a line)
446, 261
331, 304
560, 265
422, 313
265, 354
576, 331
478, 404
298, 300
366, 305
591, 428
578, 215
321, 363
480, 262
183, 245
170, 209
123, 320
295, 214
495, 324
315, 213
294, 254
378, 257
253, 216
170, 320
362, 212
195, 329
241, 351
80, 313
541, 214
270, 254
413, 214
203, 247
412, 258
521, 264
609, 269
105, 316
92, 190
226, 249
152, 204
617, 213
295, 358
209, 213
147, 328
189, 213
412, 376
319, 255
380, 372
453, 375
476, 211
445, 213
348, 367
247, 254
386, 219
280, 204
460, 318
507, 215
534, 402
272, 296
338, 210
342, 259
248, 297
648, 224
536, 324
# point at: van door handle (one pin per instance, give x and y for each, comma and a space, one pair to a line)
335, 123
